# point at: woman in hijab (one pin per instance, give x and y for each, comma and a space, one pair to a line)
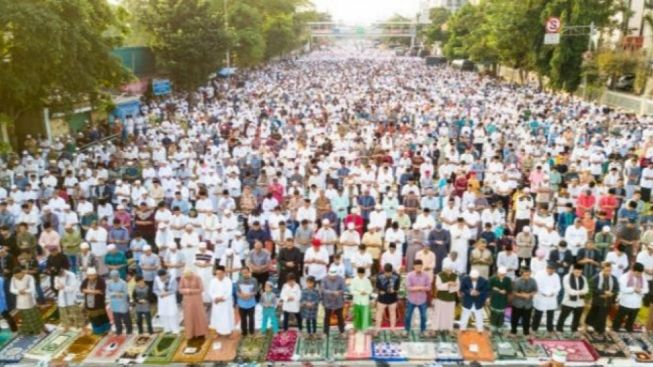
195, 321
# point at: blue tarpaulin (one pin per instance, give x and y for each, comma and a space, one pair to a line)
227, 71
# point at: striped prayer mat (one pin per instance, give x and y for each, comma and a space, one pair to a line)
192, 350
16, 349
163, 349
53, 345
311, 348
359, 346
337, 347
79, 349
109, 349
223, 348
387, 352
135, 350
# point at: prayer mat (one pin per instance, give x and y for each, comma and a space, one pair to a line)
79, 349
475, 346
389, 336
5, 337
359, 346
426, 336
577, 350
605, 345
253, 348
637, 345
16, 349
447, 351
163, 349
337, 347
223, 348
192, 350
534, 352
53, 345
311, 348
282, 347
418, 351
506, 349
136, 349
387, 352
109, 349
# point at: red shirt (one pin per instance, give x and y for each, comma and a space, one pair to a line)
608, 204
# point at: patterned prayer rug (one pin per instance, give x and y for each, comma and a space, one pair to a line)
577, 350
136, 349
637, 345
359, 346
223, 348
282, 347
533, 352
15, 350
387, 352
192, 350
426, 336
109, 349
79, 349
311, 348
419, 351
5, 337
53, 345
163, 349
475, 346
447, 351
337, 347
253, 348
389, 336
506, 349
605, 345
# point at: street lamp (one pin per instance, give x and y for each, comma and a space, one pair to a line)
226, 29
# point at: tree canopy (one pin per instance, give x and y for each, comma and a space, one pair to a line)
55, 53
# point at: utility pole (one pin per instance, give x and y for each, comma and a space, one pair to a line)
226, 29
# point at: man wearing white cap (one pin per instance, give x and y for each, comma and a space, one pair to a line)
232, 264
349, 240
175, 261
378, 217
188, 243
327, 236
97, 237
333, 298
474, 290
165, 287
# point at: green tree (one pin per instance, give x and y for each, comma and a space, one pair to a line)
567, 58
188, 39
55, 53
435, 31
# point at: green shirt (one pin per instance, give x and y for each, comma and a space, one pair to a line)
446, 295
357, 287
70, 242
499, 301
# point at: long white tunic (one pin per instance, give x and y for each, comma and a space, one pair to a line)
222, 313
548, 287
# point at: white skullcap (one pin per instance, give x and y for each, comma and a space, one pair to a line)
447, 264
474, 273
162, 225
202, 245
91, 271
84, 245
502, 270
351, 225
147, 248
526, 229
326, 221
229, 251
111, 247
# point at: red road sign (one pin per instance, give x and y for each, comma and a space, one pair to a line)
553, 25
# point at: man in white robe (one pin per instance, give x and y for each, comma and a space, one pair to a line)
165, 288
188, 243
222, 303
204, 269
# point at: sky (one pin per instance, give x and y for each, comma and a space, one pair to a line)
366, 11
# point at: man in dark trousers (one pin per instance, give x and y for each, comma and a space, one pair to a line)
523, 291
605, 288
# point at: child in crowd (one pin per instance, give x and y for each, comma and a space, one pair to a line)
140, 296
269, 304
309, 303
291, 294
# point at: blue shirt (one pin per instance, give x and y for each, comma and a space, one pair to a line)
249, 285
182, 204
3, 301
118, 296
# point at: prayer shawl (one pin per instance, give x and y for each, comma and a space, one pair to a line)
576, 285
